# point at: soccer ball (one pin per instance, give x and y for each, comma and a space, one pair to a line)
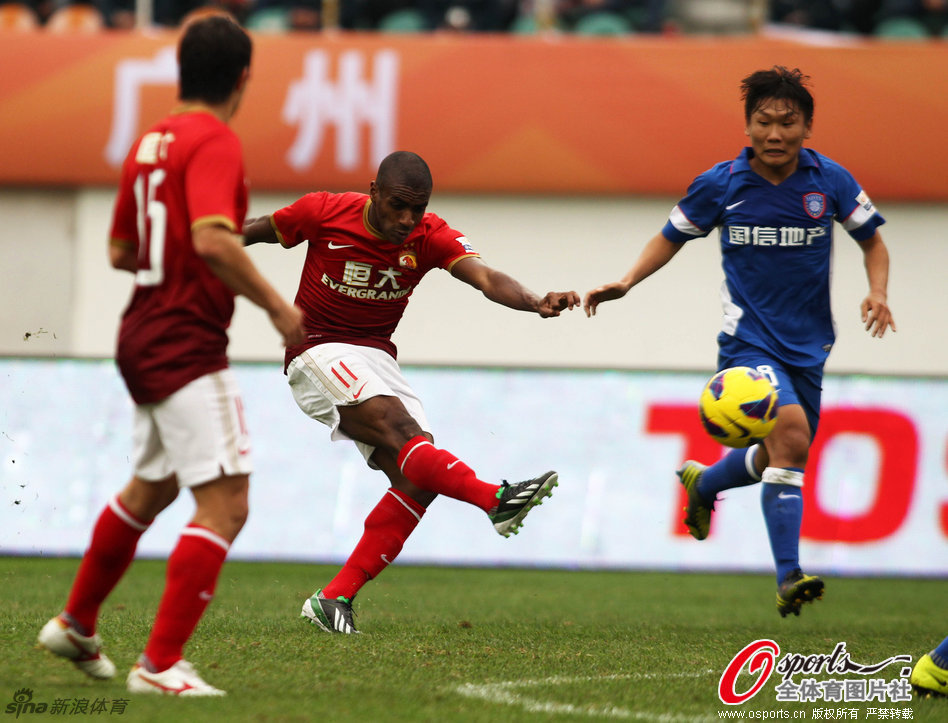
738, 407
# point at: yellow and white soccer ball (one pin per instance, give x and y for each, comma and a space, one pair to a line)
738, 407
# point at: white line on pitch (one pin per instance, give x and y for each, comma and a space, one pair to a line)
506, 692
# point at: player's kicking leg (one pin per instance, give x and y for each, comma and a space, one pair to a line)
515, 501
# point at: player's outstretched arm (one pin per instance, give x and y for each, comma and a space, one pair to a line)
507, 291
657, 252
222, 251
875, 308
259, 230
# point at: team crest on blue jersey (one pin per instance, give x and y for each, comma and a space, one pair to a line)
814, 204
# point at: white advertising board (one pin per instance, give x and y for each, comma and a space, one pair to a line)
876, 492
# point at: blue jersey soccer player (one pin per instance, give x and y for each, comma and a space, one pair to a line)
930, 675
775, 205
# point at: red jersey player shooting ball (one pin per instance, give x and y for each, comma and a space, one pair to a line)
365, 255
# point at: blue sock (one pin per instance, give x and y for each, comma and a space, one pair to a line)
735, 469
783, 512
940, 655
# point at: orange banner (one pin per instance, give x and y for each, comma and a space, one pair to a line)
490, 114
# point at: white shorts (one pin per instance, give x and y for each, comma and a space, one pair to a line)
328, 376
198, 433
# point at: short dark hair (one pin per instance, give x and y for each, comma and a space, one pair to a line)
213, 52
404, 167
778, 83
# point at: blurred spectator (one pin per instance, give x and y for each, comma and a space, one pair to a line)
572, 11
653, 16
933, 14
861, 16
75, 16
118, 14
367, 14
469, 15
307, 15
300, 14
170, 13
18, 15
819, 14
42, 8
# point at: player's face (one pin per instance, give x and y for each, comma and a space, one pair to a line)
396, 210
777, 131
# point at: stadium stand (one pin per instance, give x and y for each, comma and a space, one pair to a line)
407, 20
17, 16
901, 28
602, 23
75, 19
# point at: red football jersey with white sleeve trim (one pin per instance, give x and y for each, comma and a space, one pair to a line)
355, 285
185, 172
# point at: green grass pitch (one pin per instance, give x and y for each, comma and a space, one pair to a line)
459, 644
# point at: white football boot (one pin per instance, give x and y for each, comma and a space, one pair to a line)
180, 679
85, 651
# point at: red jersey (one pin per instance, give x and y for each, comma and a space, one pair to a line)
185, 172
355, 285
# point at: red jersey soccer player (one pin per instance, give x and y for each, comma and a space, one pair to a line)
181, 199
365, 256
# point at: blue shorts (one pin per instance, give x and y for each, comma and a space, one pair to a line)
795, 385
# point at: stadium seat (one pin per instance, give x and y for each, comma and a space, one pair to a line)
602, 23
75, 19
403, 21
269, 20
527, 24
15, 16
901, 28
203, 11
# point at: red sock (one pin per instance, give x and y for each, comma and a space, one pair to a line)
386, 529
193, 567
437, 470
114, 539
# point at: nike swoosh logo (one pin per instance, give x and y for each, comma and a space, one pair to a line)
339, 246
205, 595
385, 560
734, 205
358, 393
785, 496
451, 464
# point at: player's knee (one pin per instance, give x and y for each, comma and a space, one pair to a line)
229, 520
223, 505
422, 497
397, 427
238, 518
146, 500
790, 443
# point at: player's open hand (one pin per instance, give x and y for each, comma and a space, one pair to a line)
608, 292
556, 301
876, 315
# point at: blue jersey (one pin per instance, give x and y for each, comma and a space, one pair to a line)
776, 248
